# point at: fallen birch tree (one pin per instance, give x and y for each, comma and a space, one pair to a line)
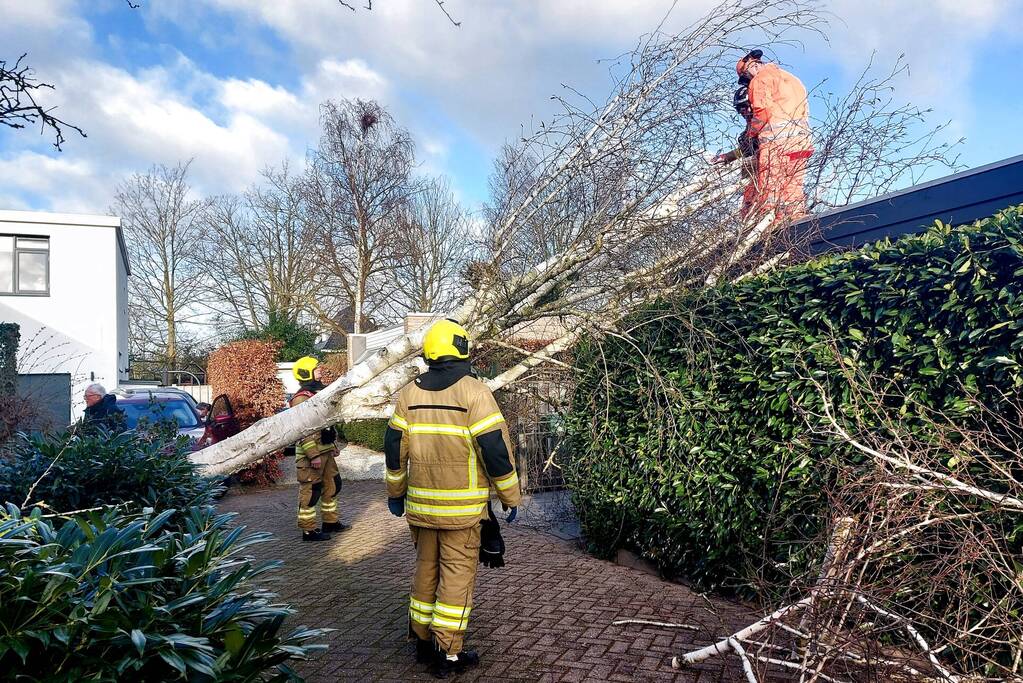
606, 208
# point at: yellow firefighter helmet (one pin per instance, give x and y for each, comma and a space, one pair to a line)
446, 340
303, 368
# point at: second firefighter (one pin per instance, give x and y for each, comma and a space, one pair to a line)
319, 481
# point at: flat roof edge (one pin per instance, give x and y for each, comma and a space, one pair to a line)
46, 218
912, 189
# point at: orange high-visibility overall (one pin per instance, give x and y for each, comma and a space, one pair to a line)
781, 123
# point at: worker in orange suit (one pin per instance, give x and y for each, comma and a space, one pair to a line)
781, 125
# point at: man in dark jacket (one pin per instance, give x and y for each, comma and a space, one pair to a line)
101, 409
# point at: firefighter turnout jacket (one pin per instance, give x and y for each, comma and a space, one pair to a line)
316, 469
446, 445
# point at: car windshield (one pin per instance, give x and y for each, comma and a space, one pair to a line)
158, 410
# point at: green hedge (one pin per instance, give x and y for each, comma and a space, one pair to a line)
711, 471
10, 335
368, 433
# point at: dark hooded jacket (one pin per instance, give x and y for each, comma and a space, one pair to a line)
106, 415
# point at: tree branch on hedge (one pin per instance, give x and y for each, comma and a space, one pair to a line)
914, 634
747, 665
930, 479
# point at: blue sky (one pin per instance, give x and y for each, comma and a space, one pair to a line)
235, 84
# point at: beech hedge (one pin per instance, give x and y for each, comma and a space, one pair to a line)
691, 443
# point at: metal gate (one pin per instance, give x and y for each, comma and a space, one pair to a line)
534, 409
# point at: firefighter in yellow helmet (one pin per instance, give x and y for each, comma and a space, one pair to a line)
447, 449
318, 479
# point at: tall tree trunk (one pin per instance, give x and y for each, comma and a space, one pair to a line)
172, 330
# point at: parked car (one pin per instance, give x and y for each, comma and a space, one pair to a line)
221, 422
155, 405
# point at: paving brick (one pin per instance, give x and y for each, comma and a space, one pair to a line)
546, 616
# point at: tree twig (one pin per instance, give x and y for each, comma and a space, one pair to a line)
747, 665
665, 624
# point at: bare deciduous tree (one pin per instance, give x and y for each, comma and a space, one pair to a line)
259, 250
357, 187
639, 214
162, 223
432, 247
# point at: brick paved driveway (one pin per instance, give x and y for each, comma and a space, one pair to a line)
547, 616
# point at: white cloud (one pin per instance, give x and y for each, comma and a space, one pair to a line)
154, 116
938, 38
134, 121
448, 85
494, 73
258, 98
498, 70
72, 183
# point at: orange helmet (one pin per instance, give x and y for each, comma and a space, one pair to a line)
752, 55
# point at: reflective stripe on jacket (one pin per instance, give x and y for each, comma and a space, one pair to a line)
309, 446
781, 112
445, 450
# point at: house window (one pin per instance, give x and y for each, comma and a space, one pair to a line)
24, 265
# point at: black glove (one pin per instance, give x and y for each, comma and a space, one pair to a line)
289, 451
396, 506
328, 435
491, 542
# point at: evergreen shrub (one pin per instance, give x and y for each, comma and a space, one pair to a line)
119, 597
146, 468
368, 433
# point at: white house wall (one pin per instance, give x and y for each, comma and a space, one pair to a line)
80, 327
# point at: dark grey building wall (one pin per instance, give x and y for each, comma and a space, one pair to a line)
49, 398
957, 199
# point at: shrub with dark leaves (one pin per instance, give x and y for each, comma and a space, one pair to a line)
117, 596
147, 468
695, 442
368, 433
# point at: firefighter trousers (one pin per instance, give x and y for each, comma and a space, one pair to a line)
441, 599
317, 489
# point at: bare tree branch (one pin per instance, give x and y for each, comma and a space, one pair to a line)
19, 107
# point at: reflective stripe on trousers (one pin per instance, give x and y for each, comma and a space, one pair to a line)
442, 588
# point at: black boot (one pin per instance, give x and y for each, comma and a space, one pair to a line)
335, 526
424, 651
315, 535
444, 667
